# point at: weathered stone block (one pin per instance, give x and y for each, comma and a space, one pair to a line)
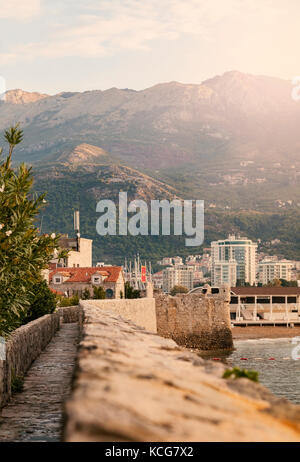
69, 314
141, 311
195, 321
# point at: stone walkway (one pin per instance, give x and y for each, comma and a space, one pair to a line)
35, 414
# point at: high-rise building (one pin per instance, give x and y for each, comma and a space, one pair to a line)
225, 273
233, 252
183, 276
270, 270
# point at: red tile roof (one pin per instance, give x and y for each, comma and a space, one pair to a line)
251, 291
85, 274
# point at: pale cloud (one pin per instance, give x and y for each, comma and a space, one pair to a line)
19, 10
107, 27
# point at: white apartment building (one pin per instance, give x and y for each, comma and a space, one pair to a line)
177, 261
183, 276
225, 273
166, 261
225, 253
270, 270
157, 280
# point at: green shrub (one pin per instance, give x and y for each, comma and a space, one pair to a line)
99, 293
237, 373
17, 383
86, 294
42, 301
179, 290
69, 301
130, 292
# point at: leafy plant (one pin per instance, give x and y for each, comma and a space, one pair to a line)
86, 294
23, 252
69, 301
237, 373
179, 290
42, 301
99, 293
130, 292
17, 383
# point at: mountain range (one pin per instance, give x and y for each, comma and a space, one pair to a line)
233, 140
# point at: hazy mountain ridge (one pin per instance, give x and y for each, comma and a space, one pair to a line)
19, 96
167, 122
233, 141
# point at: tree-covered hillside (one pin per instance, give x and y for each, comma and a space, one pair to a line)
81, 187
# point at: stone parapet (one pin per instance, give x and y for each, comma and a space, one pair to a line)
131, 385
141, 311
69, 314
23, 346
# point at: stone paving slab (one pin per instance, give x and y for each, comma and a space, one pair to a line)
35, 414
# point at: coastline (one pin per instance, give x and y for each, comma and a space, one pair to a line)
257, 332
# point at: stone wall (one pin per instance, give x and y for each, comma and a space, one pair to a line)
69, 314
141, 311
195, 321
22, 347
131, 385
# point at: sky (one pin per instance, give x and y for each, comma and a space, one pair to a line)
73, 45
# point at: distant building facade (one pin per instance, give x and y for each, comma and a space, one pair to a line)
225, 272
157, 280
74, 280
268, 271
225, 252
183, 276
80, 252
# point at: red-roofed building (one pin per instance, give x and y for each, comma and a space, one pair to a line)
72, 281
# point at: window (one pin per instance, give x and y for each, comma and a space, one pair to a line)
109, 293
57, 280
97, 279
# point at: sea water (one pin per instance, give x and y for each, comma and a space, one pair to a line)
272, 359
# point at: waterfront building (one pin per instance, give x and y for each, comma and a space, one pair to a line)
265, 305
234, 249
